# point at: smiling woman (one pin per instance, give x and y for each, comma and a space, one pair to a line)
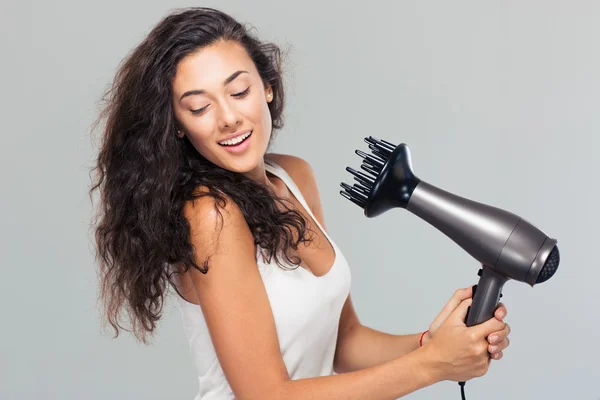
192, 200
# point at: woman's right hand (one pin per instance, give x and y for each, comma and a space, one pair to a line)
458, 352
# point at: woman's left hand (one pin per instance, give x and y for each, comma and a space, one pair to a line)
498, 341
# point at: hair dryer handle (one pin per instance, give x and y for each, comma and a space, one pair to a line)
486, 295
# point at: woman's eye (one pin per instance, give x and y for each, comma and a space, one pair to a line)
198, 111
242, 94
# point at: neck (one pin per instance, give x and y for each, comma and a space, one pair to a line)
259, 174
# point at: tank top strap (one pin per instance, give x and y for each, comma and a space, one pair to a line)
279, 172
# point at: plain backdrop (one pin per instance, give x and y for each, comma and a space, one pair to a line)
498, 101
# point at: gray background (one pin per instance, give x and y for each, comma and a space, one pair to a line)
498, 102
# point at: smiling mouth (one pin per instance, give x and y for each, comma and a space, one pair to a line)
237, 141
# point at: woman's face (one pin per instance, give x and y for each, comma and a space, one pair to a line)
217, 94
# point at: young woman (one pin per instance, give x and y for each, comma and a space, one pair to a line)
191, 199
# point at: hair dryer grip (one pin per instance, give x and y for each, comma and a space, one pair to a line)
486, 296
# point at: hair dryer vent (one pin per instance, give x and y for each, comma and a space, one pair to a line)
550, 266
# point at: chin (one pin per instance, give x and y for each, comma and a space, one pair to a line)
241, 164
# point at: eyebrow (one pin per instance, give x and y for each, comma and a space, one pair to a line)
225, 82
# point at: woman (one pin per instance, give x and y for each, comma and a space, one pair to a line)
191, 199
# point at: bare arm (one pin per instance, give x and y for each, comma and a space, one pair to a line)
240, 321
363, 347
390, 380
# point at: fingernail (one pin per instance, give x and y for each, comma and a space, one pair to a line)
493, 349
493, 339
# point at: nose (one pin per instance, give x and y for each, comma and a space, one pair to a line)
229, 116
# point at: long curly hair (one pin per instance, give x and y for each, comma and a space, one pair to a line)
146, 174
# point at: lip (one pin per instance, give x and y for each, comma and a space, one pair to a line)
234, 135
240, 147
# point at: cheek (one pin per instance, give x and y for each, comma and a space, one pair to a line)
254, 109
258, 113
199, 133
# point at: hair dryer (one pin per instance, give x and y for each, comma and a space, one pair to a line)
506, 245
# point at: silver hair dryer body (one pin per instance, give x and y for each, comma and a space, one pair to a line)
506, 245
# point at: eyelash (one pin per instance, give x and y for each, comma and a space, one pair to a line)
237, 95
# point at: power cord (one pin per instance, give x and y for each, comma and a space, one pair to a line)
462, 390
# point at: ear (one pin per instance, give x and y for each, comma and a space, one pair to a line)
269, 93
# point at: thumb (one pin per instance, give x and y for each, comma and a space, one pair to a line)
459, 315
489, 326
455, 300
450, 306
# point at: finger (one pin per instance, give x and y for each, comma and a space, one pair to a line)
501, 311
460, 313
497, 356
490, 328
496, 337
502, 345
457, 297
465, 293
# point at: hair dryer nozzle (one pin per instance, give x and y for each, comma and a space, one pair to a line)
389, 181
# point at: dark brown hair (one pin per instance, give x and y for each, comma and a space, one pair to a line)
146, 174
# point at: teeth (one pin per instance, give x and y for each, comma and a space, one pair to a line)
236, 140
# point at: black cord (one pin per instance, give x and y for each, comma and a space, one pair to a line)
462, 390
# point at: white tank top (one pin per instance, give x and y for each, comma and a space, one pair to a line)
306, 309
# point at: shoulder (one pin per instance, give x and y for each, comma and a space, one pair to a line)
212, 221
301, 173
209, 208
295, 166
